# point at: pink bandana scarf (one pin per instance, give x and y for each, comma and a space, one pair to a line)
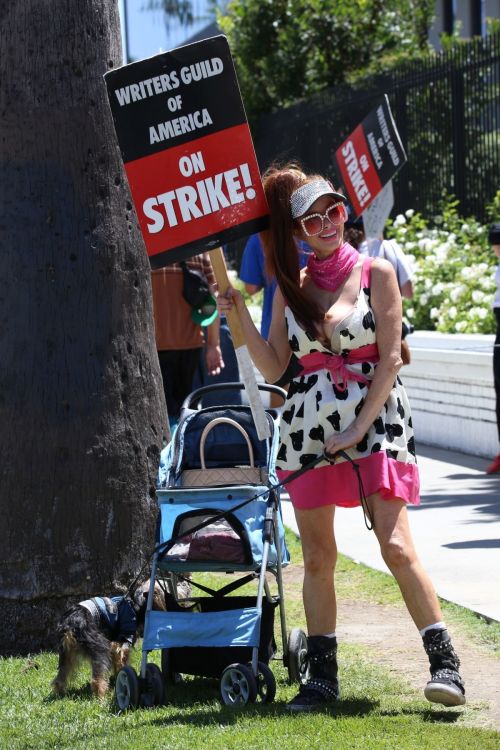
331, 273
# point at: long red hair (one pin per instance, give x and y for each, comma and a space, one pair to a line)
280, 247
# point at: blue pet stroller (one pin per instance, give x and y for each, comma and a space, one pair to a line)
219, 511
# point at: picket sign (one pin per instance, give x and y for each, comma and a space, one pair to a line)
377, 213
370, 157
191, 165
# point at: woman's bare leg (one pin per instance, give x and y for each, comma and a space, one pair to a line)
320, 555
318, 591
393, 533
392, 529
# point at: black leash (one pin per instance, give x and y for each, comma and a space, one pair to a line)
163, 548
362, 497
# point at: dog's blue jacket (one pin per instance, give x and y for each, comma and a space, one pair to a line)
116, 615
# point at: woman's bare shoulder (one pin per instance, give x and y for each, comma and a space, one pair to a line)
382, 273
384, 284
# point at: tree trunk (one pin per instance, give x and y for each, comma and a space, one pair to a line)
81, 403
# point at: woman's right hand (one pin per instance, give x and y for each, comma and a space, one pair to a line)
226, 301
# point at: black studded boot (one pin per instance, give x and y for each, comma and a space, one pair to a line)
322, 686
445, 686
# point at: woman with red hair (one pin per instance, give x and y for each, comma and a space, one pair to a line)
341, 317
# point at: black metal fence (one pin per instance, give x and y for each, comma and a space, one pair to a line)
446, 108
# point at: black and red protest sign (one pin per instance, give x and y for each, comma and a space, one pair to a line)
187, 150
370, 157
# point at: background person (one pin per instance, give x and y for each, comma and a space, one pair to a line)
254, 275
179, 331
381, 248
389, 250
342, 318
494, 240
229, 374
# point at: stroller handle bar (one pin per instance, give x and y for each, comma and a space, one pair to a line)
194, 399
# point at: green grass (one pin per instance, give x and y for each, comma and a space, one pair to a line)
376, 712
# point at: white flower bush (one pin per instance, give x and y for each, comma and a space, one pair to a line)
454, 267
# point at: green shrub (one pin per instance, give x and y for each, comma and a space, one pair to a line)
454, 269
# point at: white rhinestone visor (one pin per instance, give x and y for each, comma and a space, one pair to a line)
302, 199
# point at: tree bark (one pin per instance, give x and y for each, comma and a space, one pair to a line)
82, 411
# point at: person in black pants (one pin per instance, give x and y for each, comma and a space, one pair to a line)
494, 240
179, 330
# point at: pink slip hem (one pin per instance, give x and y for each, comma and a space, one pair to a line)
338, 485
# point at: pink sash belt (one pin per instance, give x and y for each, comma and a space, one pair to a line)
336, 364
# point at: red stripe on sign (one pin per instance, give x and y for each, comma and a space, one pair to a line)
198, 189
358, 171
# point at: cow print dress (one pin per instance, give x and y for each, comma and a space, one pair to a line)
318, 405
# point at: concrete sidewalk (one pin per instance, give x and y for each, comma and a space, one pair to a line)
456, 530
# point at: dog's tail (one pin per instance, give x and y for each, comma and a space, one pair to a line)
80, 636
68, 641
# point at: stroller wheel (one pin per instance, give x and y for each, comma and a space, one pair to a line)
127, 689
297, 656
154, 690
266, 683
238, 686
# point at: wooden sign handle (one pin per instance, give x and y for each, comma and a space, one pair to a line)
245, 364
233, 319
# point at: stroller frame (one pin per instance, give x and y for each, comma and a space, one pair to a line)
240, 682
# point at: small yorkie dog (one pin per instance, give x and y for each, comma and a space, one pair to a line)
102, 630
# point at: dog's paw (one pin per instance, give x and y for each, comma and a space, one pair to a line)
99, 686
58, 687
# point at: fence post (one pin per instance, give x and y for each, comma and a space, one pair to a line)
458, 139
403, 199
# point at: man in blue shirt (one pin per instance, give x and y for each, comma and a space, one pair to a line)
253, 274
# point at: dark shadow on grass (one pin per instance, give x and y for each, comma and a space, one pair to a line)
204, 717
443, 716
349, 707
72, 693
229, 715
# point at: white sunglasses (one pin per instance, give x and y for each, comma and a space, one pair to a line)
314, 224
